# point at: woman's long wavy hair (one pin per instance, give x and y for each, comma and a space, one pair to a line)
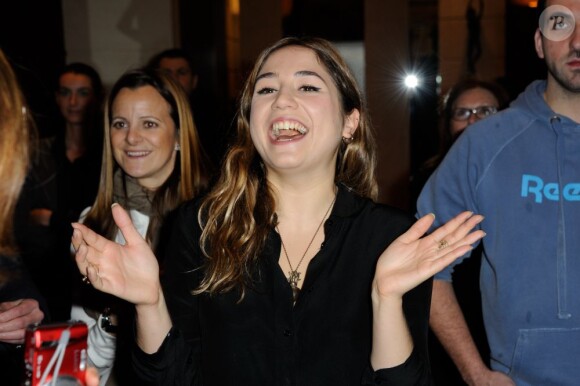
16, 132
189, 175
238, 213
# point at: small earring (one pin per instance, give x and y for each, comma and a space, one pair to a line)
177, 147
347, 140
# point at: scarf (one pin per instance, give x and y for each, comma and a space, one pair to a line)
131, 195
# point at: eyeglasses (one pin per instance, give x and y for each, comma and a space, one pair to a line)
463, 113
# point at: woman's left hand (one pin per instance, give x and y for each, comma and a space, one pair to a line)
412, 259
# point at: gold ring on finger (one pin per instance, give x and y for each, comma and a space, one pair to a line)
442, 244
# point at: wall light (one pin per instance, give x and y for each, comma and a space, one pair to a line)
411, 81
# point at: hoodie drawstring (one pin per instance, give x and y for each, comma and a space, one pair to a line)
561, 275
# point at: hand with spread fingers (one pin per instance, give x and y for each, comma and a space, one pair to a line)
407, 262
412, 258
129, 271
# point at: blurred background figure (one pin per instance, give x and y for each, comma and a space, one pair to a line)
466, 102
20, 302
152, 163
178, 64
62, 182
210, 123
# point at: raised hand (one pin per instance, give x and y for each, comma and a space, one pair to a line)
129, 271
412, 258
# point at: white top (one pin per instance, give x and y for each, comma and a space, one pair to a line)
101, 345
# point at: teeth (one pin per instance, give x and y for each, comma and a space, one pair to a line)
287, 125
137, 153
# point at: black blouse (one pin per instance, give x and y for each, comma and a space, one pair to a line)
325, 339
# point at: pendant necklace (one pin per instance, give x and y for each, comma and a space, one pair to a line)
294, 275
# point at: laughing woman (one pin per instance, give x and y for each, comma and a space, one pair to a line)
152, 162
287, 272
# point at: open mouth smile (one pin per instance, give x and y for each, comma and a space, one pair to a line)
288, 130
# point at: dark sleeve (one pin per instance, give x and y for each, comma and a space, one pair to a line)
177, 360
16, 283
413, 372
173, 364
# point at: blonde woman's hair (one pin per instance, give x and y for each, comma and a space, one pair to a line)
16, 130
238, 213
189, 176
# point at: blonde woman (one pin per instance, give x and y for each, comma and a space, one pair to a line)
287, 272
158, 150
152, 162
19, 299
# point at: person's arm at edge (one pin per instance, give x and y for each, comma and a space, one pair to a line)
449, 325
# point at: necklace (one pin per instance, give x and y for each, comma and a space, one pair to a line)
294, 275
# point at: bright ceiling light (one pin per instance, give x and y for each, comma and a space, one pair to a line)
411, 81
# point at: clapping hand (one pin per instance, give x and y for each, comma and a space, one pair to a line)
412, 258
129, 271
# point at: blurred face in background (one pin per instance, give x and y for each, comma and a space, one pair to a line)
471, 106
143, 136
75, 97
180, 71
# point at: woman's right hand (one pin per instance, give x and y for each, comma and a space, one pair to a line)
129, 271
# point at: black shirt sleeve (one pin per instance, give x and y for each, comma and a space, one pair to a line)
173, 364
177, 360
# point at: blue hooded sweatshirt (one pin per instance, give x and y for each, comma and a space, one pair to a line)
521, 169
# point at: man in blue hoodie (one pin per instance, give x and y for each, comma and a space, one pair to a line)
521, 169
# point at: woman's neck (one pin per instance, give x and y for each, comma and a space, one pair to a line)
303, 204
74, 141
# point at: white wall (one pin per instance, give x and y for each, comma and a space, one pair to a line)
116, 35
354, 56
